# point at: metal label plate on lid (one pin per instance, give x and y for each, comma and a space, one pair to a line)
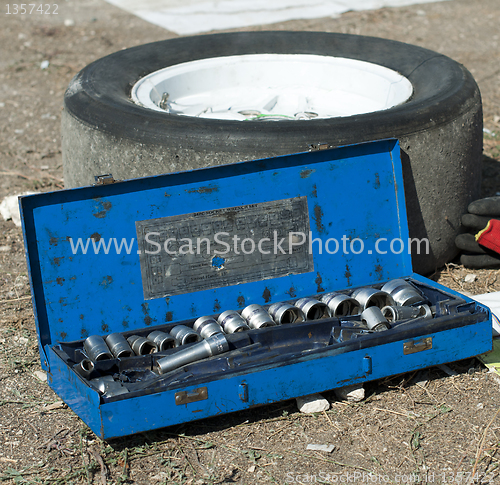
223, 247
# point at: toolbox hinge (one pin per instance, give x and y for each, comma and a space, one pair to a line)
105, 179
44, 358
319, 146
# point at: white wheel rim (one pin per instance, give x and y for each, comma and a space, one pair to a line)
272, 87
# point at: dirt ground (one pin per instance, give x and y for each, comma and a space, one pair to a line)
424, 427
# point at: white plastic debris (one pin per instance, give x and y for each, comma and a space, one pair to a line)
354, 393
69, 22
9, 208
44, 64
325, 448
195, 16
491, 300
470, 278
314, 403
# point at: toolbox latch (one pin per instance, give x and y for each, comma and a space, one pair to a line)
185, 397
243, 391
414, 346
105, 179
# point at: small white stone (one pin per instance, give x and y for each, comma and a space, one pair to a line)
69, 22
470, 278
23, 340
325, 448
4, 249
354, 393
41, 375
44, 64
480, 406
314, 403
161, 477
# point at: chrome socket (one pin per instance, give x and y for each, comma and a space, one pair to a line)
403, 293
408, 296
162, 340
425, 311
397, 313
283, 313
107, 386
214, 345
118, 345
141, 345
206, 327
393, 285
256, 317
340, 305
368, 297
231, 322
184, 335
84, 368
312, 309
373, 318
96, 348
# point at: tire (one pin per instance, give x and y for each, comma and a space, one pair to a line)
439, 128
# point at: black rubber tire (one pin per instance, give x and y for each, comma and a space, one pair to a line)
439, 128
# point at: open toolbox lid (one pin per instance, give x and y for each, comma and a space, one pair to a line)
331, 196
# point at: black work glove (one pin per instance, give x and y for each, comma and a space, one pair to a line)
480, 213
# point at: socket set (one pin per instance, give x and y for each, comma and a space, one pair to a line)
341, 316
385, 309
149, 314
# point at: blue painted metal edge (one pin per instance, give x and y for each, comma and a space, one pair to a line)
32, 262
263, 386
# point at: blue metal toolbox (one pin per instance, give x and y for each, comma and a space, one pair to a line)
300, 266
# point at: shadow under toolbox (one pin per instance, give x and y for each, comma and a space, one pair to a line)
121, 274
